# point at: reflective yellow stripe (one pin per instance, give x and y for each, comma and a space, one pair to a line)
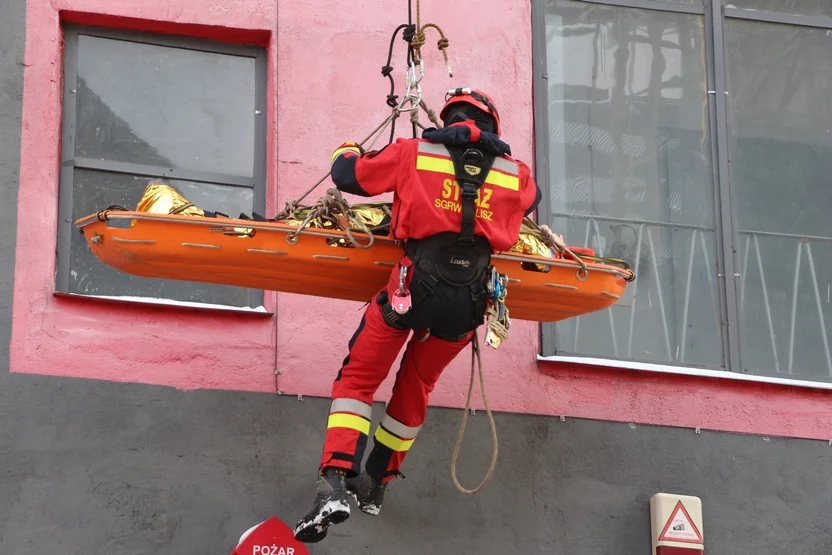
389, 440
342, 150
506, 166
502, 180
433, 164
350, 421
446, 166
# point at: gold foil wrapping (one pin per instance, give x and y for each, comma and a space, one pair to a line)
370, 214
159, 198
531, 244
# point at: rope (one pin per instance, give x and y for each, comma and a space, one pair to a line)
408, 30
292, 206
475, 357
554, 241
432, 116
419, 39
333, 208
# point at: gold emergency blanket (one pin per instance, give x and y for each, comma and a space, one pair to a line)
159, 198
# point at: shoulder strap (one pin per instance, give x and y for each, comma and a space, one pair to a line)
471, 167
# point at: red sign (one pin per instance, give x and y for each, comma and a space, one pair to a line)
680, 527
270, 537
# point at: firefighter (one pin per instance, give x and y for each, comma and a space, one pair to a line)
459, 198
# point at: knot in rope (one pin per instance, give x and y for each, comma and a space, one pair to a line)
288, 210
408, 32
332, 208
434, 119
417, 42
419, 39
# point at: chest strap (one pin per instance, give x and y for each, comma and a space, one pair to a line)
471, 167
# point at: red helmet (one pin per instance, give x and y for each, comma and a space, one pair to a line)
475, 98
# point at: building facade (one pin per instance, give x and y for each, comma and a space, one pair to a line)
689, 138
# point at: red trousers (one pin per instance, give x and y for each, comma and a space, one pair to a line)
372, 351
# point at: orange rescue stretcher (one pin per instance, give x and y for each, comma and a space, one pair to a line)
309, 258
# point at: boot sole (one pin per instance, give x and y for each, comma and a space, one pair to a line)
370, 510
315, 529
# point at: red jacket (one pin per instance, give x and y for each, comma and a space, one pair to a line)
427, 197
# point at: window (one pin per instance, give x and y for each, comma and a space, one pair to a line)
143, 107
695, 147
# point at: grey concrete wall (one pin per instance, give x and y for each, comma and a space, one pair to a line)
89, 467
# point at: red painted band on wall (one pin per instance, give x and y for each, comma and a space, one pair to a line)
690, 401
670, 550
220, 33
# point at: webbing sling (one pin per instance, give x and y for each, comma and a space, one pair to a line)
471, 167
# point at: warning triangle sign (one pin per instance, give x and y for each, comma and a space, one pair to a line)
680, 527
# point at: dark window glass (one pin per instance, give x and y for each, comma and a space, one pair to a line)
163, 106
96, 190
631, 174
779, 113
146, 106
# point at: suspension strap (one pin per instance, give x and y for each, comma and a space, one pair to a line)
471, 167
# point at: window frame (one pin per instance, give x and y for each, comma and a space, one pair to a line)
69, 163
728, 264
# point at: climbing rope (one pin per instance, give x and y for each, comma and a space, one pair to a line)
291, 206
334, 209
476, 361
555, 241
419, 39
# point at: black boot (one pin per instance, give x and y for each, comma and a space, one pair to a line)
331, 507
367, 492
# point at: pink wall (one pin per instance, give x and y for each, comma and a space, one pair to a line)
325, 85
